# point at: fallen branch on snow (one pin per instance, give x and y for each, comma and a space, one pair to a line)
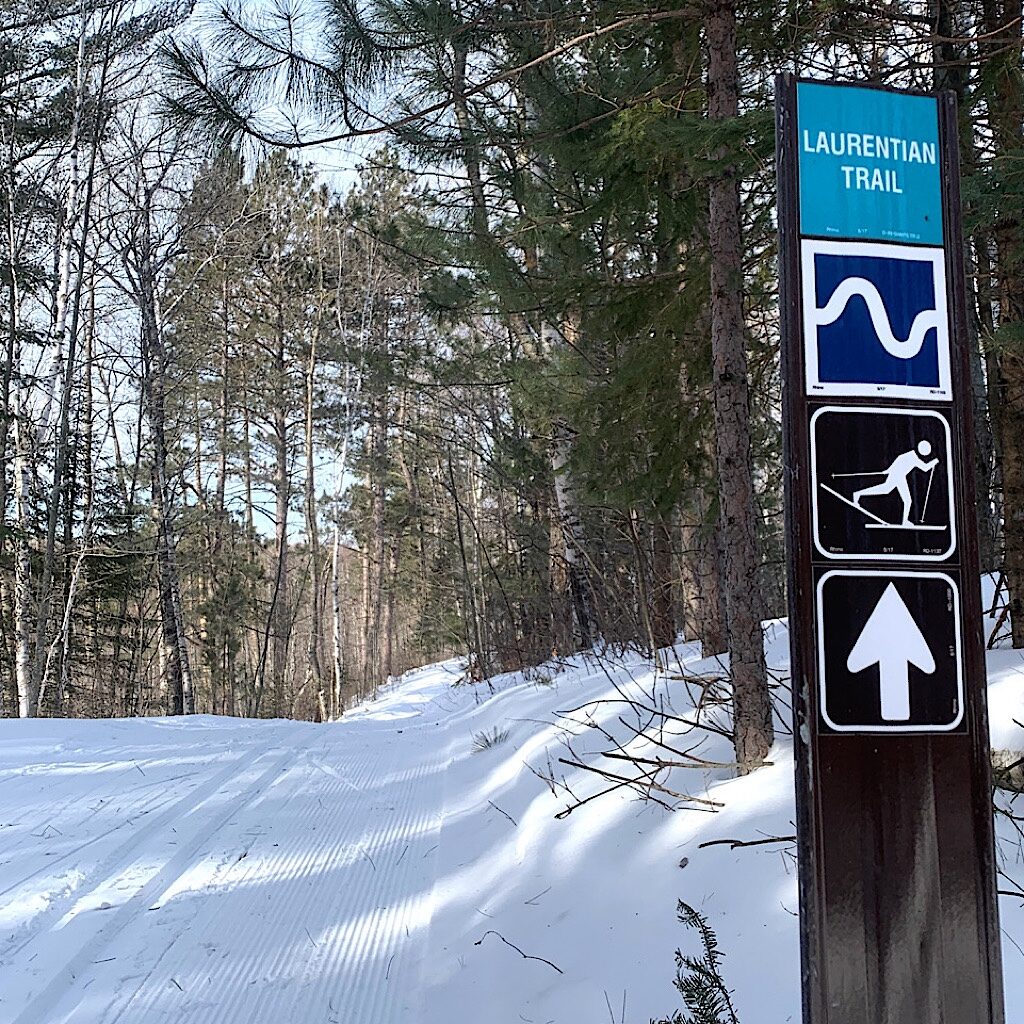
512, 945
643, 783
735, 844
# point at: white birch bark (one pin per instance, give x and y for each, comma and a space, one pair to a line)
573, 534
337, 705
22, 554
65, 266
352, 389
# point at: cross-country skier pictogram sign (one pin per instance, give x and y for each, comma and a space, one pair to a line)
882, 484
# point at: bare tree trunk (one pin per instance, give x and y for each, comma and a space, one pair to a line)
702, 561
125, 699
379, 550
559, 609
366, 592
950, 73
411, 475
388, 669
339, 585
12, 412
1006, 113
154, 371
752, 712
479, 666
255, 651
223, 656
17, 417
337, 705
65, 326
66, 243
643, 602
280, 617
572, 537
314, 671
108, 684
474, 486
662, 578
712, 624
23, 674
990, 535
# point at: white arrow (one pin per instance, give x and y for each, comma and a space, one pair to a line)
892, 640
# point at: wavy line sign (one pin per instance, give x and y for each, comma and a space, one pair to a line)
875, 320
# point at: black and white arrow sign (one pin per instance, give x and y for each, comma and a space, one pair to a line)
892, 640
889, 651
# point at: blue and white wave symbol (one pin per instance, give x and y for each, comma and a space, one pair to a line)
876, 320
900, 348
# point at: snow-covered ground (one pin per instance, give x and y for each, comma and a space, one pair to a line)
405, 864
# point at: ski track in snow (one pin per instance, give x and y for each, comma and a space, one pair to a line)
218, 871
287, 884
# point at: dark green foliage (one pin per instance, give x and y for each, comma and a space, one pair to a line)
706, 1000
515, 295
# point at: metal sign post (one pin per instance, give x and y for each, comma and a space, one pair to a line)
897, 871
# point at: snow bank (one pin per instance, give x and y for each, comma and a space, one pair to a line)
409, 863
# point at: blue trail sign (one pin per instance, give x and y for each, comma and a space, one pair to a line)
869, 164
875, 320
898, 910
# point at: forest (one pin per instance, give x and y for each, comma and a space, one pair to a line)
340, 338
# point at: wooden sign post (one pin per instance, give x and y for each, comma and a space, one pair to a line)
898, 908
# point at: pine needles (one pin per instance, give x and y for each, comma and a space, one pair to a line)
699, 978
486, 740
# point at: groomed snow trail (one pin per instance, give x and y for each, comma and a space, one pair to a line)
218, 872
436, 857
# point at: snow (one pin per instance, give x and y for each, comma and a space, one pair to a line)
1005, 701
385, 868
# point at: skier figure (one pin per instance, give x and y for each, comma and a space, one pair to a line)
896, 477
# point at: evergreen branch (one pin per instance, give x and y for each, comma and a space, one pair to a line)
207, 100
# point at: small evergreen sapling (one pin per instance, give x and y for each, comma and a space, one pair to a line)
699, 979
486, 740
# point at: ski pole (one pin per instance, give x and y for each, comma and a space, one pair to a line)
927, 493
